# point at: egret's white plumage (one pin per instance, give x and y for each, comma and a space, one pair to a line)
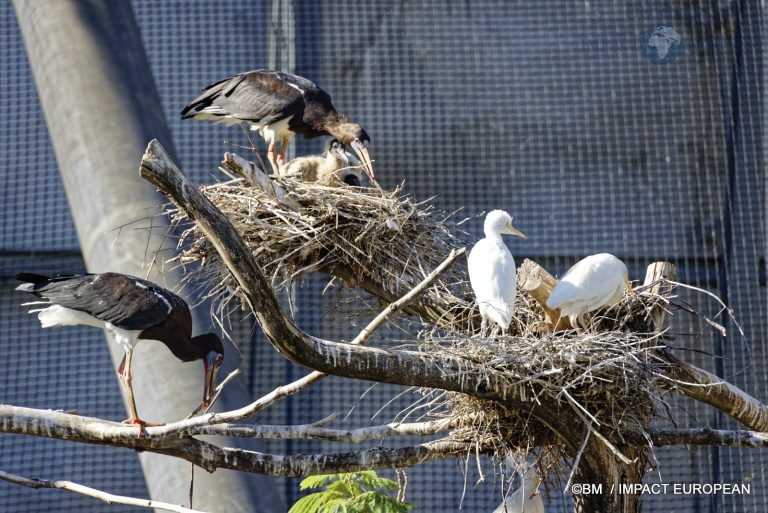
492, 271
526, 498
595, 281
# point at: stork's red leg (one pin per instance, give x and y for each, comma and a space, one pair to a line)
281, 155
124, 373
273, 159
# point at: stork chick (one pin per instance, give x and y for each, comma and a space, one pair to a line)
336, 166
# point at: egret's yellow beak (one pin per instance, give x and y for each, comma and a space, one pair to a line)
514, 231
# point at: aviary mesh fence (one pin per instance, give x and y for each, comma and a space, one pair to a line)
630, 128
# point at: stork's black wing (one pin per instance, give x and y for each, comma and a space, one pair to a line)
260, 97
125, 301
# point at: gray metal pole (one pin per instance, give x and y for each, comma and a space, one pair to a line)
102, 108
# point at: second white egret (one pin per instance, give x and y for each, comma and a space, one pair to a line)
595, 281
492, 272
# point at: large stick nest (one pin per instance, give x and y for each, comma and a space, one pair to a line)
384, 242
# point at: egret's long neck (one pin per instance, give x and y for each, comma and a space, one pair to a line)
492, 234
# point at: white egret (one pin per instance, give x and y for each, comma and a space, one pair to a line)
595, 281
492, 271
526, 498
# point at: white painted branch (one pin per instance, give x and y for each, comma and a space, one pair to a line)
313, 431
109, 498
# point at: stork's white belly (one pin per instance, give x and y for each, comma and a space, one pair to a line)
277, 131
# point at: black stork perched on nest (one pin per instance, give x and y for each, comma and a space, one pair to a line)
278, 105
130, 309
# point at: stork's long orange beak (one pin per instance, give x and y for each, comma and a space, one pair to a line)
211, 364
362, 152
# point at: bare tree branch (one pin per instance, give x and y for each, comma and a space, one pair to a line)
53, 424
714, 391
92, 492
312, 431
301, 465
56, 424
709, 436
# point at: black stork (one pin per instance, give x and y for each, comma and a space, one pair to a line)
334, 167
278, 105
130, 309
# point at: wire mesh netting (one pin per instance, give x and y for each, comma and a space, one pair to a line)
572, 117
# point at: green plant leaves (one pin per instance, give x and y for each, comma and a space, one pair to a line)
356, 492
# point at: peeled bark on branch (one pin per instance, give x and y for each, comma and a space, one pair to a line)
710, 389
55, 424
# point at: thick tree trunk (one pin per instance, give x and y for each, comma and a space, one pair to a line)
101, 108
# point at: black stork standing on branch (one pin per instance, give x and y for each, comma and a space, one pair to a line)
278, 105
130, 309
